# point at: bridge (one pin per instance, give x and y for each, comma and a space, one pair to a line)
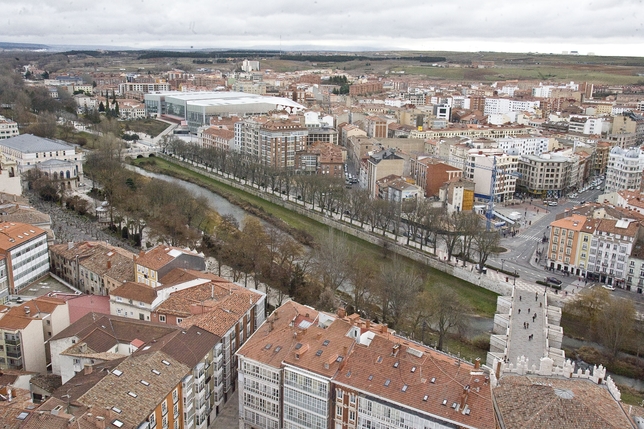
140, 153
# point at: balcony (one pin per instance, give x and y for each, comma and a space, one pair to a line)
15, 342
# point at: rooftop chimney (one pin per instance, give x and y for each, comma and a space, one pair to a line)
87, 369
109, 264
383, 328
368, 324
341, 312
464, 395
477, 363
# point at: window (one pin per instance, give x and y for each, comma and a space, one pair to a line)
338, 411
162, 318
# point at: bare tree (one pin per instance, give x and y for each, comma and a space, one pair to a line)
447, 312
616, 323
487, 243
397, 288
332, 261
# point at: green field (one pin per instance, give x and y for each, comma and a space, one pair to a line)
482, 301
151, 127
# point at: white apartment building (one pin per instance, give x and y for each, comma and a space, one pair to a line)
507, 105
479, 169
526, 144
145, 88
26, 256
610, 249
307, 369
8, 128
586, 125
624, 169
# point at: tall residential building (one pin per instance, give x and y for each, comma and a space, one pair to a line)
479, 168
624, 169
271, 142
24, 248
546, 175
507, 105
307, 369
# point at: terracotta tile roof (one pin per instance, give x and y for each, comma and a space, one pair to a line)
136, 292
113, 390
621, 227
15, 322
277, 332
13, 234
541, 402
574, 222
9, 411
222, 314
314, 356
407, 373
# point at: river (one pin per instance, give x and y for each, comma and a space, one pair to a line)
216, 202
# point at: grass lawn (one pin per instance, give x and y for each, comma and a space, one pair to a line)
151, 127
482, 301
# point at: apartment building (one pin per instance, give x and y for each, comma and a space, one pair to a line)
600, 157
365, 88
565, 242
25, 331
95, 268
494, 106
458, 195
525, 145
152, 265
624, 169
279, 141
143, 391
98, 338
309, 369
321, 158
24, 248
547, 175
8, 128
480, 166
381, 164
430, 174
143, 88
610, 249
214, 137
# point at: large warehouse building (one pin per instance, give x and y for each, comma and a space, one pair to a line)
198, 107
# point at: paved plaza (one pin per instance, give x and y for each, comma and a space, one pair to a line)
527, 327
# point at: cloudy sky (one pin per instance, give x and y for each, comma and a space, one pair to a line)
610, 27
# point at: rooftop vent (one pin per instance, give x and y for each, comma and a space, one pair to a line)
387, 382
117, 372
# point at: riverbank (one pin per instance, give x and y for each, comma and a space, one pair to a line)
482, 301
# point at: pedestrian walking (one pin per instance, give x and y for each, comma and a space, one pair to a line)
527, 325
540, 305
528, 311
519, 311
519, 297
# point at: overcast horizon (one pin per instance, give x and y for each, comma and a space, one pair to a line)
598, 27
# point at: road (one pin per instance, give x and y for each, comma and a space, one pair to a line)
521, 254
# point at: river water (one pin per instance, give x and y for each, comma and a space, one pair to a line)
216, 202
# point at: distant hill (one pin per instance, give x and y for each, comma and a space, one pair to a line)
7, 46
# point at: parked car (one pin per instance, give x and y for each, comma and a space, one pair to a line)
553, 280
607, 287
552, 203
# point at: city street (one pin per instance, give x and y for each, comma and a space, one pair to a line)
521, 254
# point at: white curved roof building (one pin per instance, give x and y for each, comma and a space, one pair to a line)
198, 107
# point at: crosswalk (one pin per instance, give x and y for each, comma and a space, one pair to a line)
530, 237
